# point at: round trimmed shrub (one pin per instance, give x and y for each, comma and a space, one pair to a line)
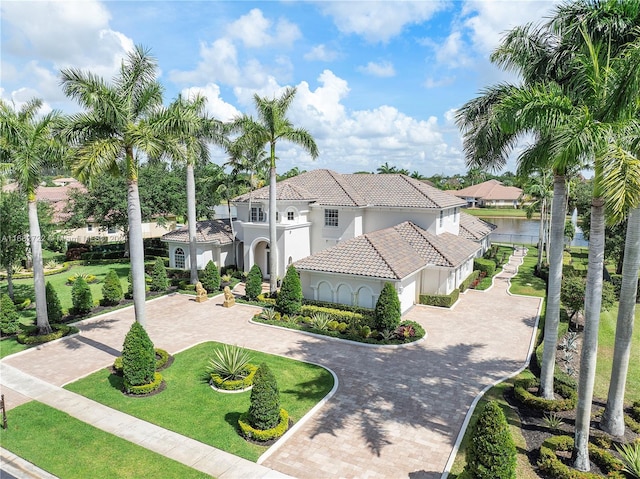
264, 411
159, 280
144, 388
210, 277
491, 453
264, 435
521, 392
111, 289
244, 382
387, 313
138, 357
30, 336
54, 310
289, 300
81, 296
253, 286
9, 323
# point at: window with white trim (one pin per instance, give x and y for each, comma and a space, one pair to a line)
291, 216
331, 217
178, 258
257, 215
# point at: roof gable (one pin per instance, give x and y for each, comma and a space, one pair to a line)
490, 190
213, 231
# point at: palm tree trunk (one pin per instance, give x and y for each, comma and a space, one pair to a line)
191, 220
592, 305
273, 246
233, 234
42, 318
613, 417
552, 314
136, 249
543, 209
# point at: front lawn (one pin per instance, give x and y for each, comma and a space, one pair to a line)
499, 213
70, 448
526, 282
190, 407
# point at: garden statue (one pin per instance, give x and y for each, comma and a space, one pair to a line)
201, 293
229, 300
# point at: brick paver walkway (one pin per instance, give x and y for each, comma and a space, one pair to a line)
397, 411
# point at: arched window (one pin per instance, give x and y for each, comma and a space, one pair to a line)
178, 258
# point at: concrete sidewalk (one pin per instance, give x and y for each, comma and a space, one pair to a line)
396, 412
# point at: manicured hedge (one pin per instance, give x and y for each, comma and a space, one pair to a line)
59, 330
268, 434
234, 385
441, 300
470, 279
144, 388
366, 312
487, 266
161, 362
521, 387
334, 314
557, 469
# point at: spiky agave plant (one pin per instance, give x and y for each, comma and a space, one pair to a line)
230, 362
630, 454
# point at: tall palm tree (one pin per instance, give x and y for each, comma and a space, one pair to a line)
613, 416
121, 121
193, 130
538, 189
271, 126
27, 146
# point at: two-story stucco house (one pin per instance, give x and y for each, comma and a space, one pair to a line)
348, 234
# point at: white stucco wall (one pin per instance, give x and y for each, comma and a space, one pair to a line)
322, 237
221, 256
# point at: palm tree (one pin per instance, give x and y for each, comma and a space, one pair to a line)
121, 121
386, 169
271, 126
613, 417
538, 189
27, 146
193, 130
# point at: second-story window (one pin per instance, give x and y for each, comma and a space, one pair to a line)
257, 214
331, 217
290, 215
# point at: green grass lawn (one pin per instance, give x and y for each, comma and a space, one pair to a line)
190, 407
525, 282
499, 212
69, 448
24, 287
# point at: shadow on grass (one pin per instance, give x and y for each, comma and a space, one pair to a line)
307, 390
232, 419
116, 382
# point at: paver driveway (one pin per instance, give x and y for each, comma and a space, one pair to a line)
397, 411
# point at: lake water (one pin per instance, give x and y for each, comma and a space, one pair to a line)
517, 230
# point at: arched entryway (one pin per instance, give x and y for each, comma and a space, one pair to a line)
261, 252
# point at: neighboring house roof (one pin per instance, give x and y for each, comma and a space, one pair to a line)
56, 196
334, 189
474, 228
490, 190
391, 253
213, 231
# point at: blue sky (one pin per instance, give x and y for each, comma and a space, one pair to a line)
377, 81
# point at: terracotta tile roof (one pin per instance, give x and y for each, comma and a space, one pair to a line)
214, 231
56, 196
334, 189
391, 253
474, 228
490, 190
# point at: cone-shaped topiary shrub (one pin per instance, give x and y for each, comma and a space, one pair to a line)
210, 277
491, 453
253, 286
289, 299
81, 296
129, 293
54, 310
387, 312
159, 280
138, 357
264, 411
111, 289
9, 323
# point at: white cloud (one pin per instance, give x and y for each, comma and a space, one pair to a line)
218, 63
216, 106
320, 53
378, 21
488, 20
452, 52
382, 69
431, 82
253, 30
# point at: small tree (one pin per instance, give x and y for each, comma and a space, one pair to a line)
138, 357
210, 277
81, 296
9, 321
572, 295
264, 411
491, 453
387, 312
159, 280
111, 289
289, 299
253, 286
54, 310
